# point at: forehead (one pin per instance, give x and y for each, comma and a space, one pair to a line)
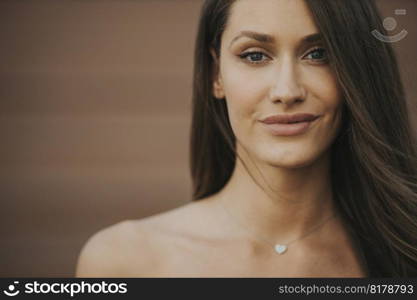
280, 18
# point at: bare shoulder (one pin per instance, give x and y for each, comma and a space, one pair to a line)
108, 253
138, 248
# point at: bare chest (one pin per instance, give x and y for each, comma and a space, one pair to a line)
227, 260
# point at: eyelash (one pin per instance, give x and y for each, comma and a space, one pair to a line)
244, 56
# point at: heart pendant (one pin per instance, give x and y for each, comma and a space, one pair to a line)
280, 248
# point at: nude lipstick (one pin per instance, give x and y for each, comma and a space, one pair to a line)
289, 125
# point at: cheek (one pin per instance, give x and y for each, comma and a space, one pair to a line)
324, 86
243, 91
321, 83
325, 91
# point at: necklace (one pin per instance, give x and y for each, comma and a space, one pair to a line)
279, 248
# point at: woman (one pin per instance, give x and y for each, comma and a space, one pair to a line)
332, 195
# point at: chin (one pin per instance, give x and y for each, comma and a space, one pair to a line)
290, 165
292, 161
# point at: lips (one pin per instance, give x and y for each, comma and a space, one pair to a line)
288, 119
289, 125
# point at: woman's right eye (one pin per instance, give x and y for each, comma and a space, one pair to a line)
253, 57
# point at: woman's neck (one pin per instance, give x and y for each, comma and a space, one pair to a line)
293, 201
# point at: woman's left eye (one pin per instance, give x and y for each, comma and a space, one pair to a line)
318, 54
253, 57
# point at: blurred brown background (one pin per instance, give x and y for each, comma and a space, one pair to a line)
95, 110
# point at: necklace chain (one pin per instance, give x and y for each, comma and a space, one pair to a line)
267, 241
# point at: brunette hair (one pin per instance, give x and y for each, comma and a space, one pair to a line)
374, 157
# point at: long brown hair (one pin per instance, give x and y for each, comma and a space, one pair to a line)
374, 158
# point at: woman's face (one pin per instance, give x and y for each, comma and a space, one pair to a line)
272, 62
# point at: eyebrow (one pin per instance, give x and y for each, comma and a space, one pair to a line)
269, 39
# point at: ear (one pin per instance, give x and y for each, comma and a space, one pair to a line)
218, 90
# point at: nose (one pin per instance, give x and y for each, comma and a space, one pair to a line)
286, 87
